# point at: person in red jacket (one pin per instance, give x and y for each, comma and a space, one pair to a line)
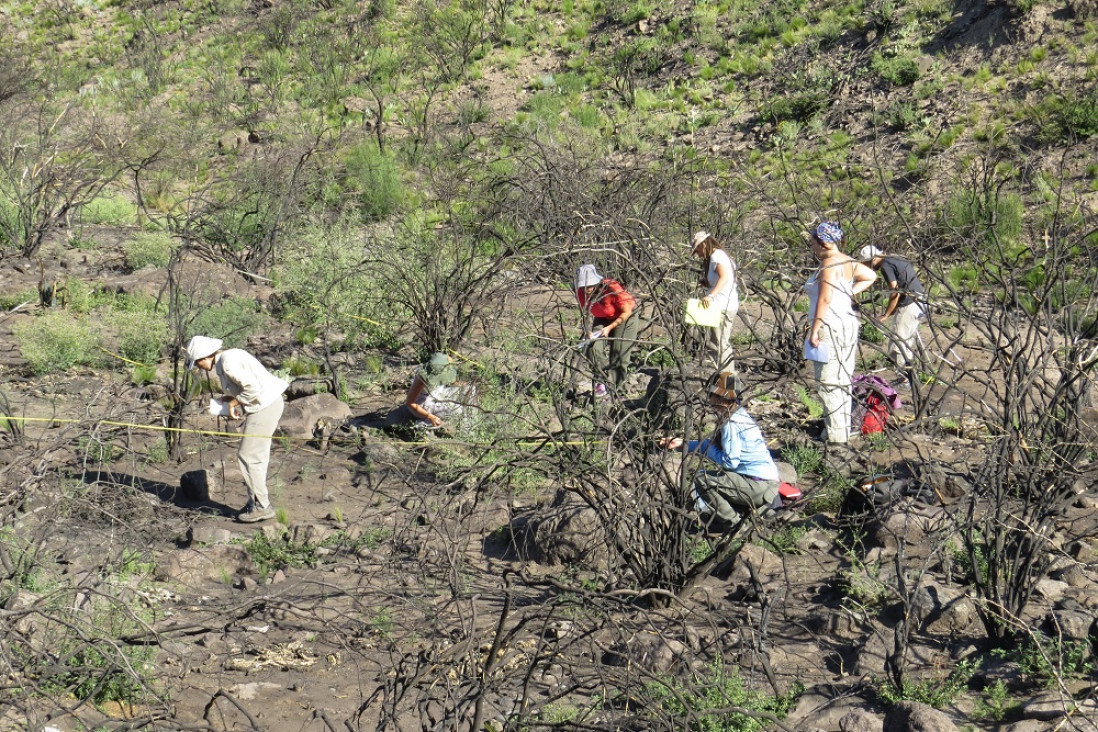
614, 328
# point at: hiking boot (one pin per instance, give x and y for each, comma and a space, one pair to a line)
253, 513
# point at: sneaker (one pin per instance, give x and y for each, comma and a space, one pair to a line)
600, 390
255, 513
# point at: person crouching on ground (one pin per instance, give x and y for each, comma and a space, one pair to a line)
615, 330
431, 395
746, 478
251, 392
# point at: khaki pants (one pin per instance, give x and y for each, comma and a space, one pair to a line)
906, 344
254, 453
720, 342
834, 377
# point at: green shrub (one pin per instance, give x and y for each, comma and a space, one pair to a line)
804, 458
233, 320
1073, 116
984, 218
148, 247
110, 210
898, 70
140, 334
938, 693
56, 341
1047, 660
707, 699
376, 179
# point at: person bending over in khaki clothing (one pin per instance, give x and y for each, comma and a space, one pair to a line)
251, 392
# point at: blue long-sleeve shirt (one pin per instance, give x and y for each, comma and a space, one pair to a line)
742, 448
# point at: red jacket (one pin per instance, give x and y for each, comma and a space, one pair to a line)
607, 301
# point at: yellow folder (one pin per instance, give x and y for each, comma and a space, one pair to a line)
709, 317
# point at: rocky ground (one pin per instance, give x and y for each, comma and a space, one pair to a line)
391, 595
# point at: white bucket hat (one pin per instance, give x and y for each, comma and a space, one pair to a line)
199, 348
868, 252
587, 276
699, 239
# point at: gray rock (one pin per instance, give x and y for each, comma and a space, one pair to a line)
194, 565
909, 716
1029, 725
787, 472
1051, 705
197, 485
205, 535
952, 612
1070, 624
562, 533
859, 720
1050, 589
302, 416
646, 650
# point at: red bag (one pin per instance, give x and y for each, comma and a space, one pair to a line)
876, 415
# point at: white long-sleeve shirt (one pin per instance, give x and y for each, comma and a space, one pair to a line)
245, 378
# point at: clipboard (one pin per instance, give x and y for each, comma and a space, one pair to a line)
709, 317
219, 408
819, 354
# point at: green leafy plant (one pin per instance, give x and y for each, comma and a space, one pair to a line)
814, 407
711, 702
996, 704
804, 458
148, 248
56, 341
233, 320
938, 693
897, 70
1047, 660
109, 210
375, 177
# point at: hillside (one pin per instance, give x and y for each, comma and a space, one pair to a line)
343, 187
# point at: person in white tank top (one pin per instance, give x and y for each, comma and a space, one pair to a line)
832, 290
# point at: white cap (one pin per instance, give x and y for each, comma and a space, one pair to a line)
199, 348
699, 239
868, 252
587, 276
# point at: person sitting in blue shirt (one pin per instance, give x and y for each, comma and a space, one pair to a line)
746, 478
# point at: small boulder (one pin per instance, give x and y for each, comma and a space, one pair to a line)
859, 720
301, 416
197, 485
910, 716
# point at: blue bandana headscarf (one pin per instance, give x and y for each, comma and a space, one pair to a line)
829, 232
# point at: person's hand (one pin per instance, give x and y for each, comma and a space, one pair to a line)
435, 420
599, 333
814, 339
671, 443
705, 301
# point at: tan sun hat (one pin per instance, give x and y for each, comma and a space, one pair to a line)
699, 239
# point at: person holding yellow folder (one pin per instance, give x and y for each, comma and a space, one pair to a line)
722, 295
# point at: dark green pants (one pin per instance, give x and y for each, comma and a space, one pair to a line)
609, 357
729, 494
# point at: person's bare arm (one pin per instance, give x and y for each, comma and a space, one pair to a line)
626, 311
893, 299
414, 392
864, 277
